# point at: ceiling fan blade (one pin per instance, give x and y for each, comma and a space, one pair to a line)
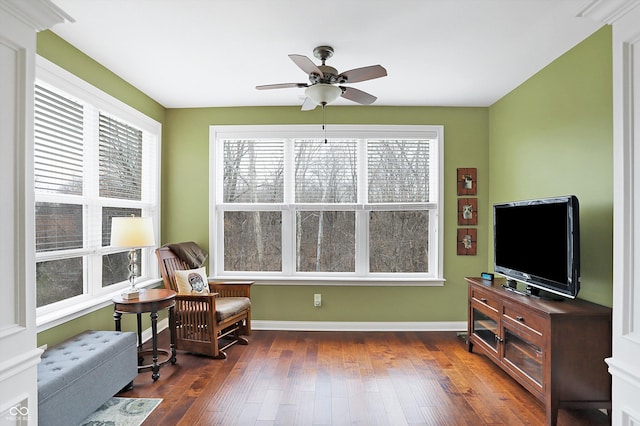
306, 64
357, 95
308, 104
364, 73
281, 86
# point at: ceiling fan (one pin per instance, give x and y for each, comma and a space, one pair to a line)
325, 83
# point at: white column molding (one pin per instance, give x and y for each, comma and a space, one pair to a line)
623, 365
607, 11
20, 19
36, 14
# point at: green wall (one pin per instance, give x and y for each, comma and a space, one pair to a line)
550, 136
185, 209
66, 56
102, 319
553, 135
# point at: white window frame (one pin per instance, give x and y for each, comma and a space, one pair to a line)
288, 275
94, 295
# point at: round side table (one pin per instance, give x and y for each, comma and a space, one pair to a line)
152, 301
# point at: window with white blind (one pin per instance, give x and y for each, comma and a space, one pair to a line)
95, 158
365, 206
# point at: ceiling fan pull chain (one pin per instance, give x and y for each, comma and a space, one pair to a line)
324, 127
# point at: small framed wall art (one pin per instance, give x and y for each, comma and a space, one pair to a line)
467, 211
467, 181
467, 241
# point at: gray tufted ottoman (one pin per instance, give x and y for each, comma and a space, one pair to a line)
79, 375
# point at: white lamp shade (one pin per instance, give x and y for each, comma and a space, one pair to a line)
132, 232
322, 93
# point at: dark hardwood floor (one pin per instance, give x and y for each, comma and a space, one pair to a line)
344, 378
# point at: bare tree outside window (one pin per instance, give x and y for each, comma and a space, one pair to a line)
325, 174
58, 227
242, 251
325, 241
399, 241
58, 170
253, 174
88, 168
331, 202
253, 171
398, 173
58, 280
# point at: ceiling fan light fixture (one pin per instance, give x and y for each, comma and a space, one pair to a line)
322, 93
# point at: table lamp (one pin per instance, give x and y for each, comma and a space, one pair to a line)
133, 233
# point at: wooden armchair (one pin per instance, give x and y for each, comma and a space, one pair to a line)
207, 324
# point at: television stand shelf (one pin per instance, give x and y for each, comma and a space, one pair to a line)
554, 349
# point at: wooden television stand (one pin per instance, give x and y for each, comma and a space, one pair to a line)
555, 349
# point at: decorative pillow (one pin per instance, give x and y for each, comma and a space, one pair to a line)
192, 281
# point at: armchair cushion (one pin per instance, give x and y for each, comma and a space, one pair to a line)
192, 281
228, 306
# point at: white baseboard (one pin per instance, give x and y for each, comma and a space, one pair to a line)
337, 326
357, 326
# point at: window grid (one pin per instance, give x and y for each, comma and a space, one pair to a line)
112, 169
420, 152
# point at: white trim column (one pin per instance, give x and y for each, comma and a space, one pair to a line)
624, 16
623, 365
19, 22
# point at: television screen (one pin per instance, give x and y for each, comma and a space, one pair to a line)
537, 242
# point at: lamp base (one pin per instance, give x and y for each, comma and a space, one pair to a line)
130, 294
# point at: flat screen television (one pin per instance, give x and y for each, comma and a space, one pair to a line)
537, 242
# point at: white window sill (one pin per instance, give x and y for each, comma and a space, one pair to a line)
63, 315
336, 281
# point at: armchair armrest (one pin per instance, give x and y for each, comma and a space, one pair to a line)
206, 298
231, 288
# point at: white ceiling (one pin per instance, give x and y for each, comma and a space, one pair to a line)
202, 53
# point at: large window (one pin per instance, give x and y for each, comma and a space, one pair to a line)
365, 206
94, 159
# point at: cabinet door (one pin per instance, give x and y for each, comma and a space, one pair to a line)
484, 327
524, 354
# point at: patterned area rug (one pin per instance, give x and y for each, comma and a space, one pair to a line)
122, 412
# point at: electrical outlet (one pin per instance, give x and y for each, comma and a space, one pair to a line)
317, 300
